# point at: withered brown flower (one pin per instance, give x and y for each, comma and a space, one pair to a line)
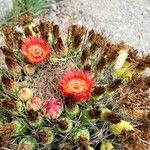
24, 19
93, 113
63, 124
83, 143
113, 85
98, 90
42, 137
113, 117
100, 64
65, 146
131, 140
32, 115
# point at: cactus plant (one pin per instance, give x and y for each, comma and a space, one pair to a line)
71, 90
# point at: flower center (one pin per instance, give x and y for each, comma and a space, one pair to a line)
76, 85
36, 51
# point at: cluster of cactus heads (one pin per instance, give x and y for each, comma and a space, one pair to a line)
71, 90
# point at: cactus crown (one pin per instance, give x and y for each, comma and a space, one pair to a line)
51, 74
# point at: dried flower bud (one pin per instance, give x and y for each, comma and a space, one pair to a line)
9, 104
45, 28
93, 113
64, 125
13, 67
16, 107
91, 36
24, 19
98, 90
93, 49
77, 42
71, 108
35, 119
34, 104
29, 69
27, 31
45, 136
84, 56
132, 55
19, 43
114, 85
25, 94
60, 47
6, 51
70, 102
7, 129
83, 143
65, 146
87, 68
8, 84
9, 33
56, 31
141, 65
80, 132
35, 29
7, 30
112, 54
32, 115
73, 29
100, 64
72, 112
113, 118
52, 108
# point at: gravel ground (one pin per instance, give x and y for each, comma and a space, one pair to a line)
121, 20
5, 7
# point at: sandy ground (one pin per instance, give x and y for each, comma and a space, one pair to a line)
120, 20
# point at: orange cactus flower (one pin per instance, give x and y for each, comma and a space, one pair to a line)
77, 84
35, 50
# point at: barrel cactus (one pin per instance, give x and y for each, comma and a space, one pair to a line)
71, 89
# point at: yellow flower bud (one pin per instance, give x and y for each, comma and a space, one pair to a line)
103, 113
106, 146
123, 54
70, 65
25, 94
54, 59
30, 27
124, 72
29, 69
118, 128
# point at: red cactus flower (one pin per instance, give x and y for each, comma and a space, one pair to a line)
76, 84
35, 50
52, 108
